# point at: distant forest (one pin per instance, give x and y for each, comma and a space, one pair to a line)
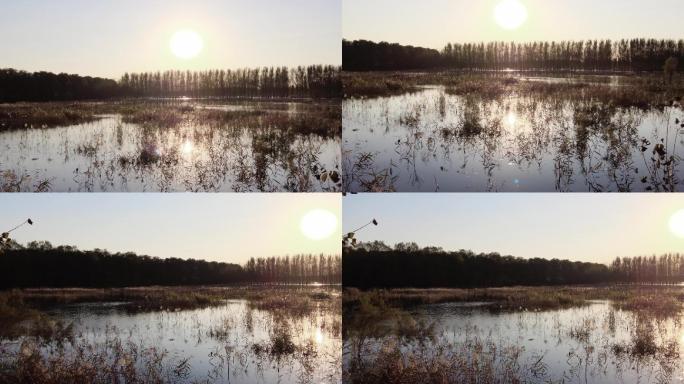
591, 55
663, 269
376, 265
39, 264
318, 81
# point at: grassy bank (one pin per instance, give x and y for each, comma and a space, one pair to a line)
22, 311
664, 300
632, 90
313, 118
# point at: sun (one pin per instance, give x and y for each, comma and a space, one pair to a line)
186, 44
510, 14
677, 223
318, 224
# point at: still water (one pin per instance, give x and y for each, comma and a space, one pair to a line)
596, 343
110, 155
431, 140
225, 344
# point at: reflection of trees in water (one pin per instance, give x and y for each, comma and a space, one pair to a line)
589, 140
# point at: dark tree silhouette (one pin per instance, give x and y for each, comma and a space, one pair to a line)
376, 265
363, 55
590, 55
311, 81
39, 264
44, 86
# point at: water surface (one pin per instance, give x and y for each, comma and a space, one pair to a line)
225, 344
596, 343
110, 155
432, 140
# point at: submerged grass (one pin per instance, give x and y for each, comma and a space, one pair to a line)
35, 349
22, 311
113, 361
379, 350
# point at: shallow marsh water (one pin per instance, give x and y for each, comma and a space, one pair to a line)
596, 343
110, 155
224, 344
432, 140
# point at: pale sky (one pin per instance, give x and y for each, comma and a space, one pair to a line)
217, 227
581, 227
107, 38
434, 23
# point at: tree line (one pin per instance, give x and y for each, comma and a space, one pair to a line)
297, 269
589, 55
282, 82
376, 265
663, 269
314, 80
44, 86
39, 264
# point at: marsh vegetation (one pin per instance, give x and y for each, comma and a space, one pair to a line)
171, 334
512, 131
585, 334
171, 145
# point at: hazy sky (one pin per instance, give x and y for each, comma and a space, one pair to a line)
220, 227
433, 23
583, 227
107, 38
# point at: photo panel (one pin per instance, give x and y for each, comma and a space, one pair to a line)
512, 96
513, 288
130, 96
170, 288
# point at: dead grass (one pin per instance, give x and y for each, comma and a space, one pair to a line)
654, 299
322, 119
25, 115
643, 91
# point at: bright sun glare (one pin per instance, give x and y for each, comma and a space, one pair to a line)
186, 44
318, 224
510, 14
677, 223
